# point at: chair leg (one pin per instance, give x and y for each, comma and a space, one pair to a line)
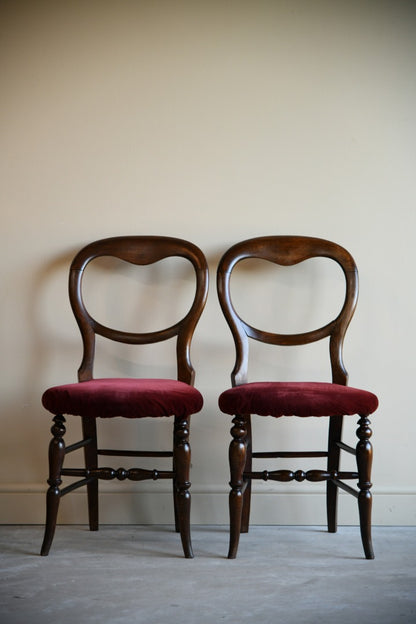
334, 436
89, 430
237, 459
174, 491
182, 463
245, 514
56, 460
364, 452
175, 507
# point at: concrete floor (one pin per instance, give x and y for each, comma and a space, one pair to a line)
136, 574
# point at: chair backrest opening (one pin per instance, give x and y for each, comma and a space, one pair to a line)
139, 251
287, 251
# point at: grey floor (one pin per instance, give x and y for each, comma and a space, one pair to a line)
134, 574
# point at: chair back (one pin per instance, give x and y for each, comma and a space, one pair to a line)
139, 250
287, 251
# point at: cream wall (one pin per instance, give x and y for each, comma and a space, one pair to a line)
212, 121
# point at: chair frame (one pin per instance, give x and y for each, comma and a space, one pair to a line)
138, 250
287, 251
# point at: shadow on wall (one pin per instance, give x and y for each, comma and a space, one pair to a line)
47, 301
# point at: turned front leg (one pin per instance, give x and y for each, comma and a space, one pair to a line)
364, 452
237, 459
56, 459
182, 465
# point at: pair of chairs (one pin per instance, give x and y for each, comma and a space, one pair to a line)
91, 399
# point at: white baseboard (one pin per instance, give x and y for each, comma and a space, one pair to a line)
146, 503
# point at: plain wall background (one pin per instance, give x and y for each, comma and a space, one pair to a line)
212, 121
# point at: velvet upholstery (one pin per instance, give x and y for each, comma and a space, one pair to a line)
131, 398
269, 398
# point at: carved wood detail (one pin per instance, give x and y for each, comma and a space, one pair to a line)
107, 473
181, 483
364, 453
300, 475
237, 458
53, 495
132, 474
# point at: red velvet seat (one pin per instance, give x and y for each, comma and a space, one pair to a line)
277, 399
130, 398
333, 400
92, 399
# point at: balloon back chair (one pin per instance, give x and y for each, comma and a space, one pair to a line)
92, 399
302, 399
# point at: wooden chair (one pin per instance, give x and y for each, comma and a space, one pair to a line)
92, 399
333, 400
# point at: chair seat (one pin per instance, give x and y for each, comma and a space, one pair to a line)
276, 399
130, 398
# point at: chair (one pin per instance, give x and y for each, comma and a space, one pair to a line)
303, 399
92, 399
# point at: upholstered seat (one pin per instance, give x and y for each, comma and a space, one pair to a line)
129, 398
270, 398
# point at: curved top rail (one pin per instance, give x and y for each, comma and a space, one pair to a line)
287, 251
138, 250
